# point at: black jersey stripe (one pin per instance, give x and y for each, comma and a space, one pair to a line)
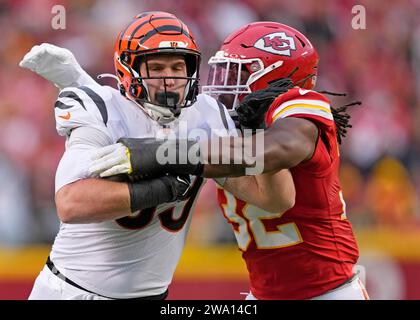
60, 105
99, 102
72, 95
223, 114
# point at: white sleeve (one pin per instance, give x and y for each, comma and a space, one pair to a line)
76, 159
230, 131
218, 119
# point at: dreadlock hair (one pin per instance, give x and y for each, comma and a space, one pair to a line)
341, 117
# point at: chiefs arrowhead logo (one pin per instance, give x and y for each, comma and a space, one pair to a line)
278, 43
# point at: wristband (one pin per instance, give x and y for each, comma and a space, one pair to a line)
150, 193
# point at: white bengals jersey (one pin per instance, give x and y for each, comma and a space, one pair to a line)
134, 256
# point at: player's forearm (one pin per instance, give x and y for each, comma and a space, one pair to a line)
240, 187
277, 190
271, 192
93, 200
227, 156
285, 145
247, 189
97, 200
273, 156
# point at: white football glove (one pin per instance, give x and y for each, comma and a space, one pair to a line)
110, 160
57, 65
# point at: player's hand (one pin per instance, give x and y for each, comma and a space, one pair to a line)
110, 161
57, 65
132, 156
182, 187
251, 111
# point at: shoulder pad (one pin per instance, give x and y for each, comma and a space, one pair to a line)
219, 117
81, 106
204, 101
302, 103
299, 93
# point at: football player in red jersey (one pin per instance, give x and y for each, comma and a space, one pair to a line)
309, 251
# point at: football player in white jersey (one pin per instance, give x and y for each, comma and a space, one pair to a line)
122, 240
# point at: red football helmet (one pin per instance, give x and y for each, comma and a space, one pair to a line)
257, 54
156, 33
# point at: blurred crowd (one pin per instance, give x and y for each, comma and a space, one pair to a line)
378, 65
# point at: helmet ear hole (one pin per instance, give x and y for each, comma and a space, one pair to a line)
134, 90
125, 57
138, 91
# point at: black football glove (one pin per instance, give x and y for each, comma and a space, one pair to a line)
252, 109
153, 192
182, 187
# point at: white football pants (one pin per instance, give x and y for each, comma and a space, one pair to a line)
48, 286
351, 290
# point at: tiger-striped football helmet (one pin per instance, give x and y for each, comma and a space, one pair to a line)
150, 35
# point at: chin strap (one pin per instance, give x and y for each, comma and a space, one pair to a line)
162, 115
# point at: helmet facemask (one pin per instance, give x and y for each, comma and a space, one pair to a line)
230, 79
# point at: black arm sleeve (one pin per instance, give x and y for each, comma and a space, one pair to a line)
150, 157
150, 193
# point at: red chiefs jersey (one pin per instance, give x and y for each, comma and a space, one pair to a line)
309, 249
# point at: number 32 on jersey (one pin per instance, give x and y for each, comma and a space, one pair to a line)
248, 225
